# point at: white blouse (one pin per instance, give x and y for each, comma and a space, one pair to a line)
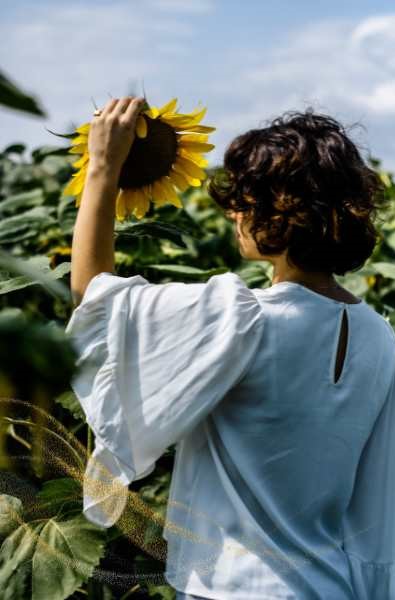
284, 481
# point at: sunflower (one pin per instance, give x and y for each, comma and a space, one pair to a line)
166, 156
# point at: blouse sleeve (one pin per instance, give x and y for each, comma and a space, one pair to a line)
369, 525
153, 361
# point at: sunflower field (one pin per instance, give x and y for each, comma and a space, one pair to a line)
48, 550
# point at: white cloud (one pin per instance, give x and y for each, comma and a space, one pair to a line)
68, 54
339, 67
337, 63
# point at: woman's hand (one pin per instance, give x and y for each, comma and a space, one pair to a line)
112, 134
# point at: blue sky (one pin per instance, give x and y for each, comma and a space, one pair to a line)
248, 62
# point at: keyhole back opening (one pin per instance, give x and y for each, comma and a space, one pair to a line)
342, 345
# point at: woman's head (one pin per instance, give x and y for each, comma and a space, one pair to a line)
302, 186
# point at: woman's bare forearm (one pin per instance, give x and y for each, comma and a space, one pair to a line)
111, 136
93, 237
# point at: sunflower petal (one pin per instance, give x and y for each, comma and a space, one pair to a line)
141, 127
129, 200
195, 111
197, 146
84, 128
197, 128
137, 202
184, 165
147, 189
171, 194
79, 139
81, 161
168, 107
179, 180
80, 149
198, 114
193, 117
76, 185
196, 158
142, 204
177, 121
120, 206
158, 193
78, 199
152, 112
192, 137
193, 181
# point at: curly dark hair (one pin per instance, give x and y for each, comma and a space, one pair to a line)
306, 188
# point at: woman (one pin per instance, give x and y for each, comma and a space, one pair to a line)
281, 401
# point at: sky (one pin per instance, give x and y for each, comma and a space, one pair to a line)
247, 62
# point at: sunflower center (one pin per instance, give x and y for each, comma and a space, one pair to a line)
150, 158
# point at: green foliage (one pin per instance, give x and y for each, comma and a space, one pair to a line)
69, 401
28, 347
61, 495
47, 558
12, 97
31, 271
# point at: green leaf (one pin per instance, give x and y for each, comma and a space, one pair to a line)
153, 229
31, 272
70, 402
15, 149
64, 492
26, 224
57, 556
27, 199
11, 509
39, 154
75, 549
386, 179
67, 214
12, 312
161, 592
63, 135
13, 97
188, 272
16, 553
254, 275
355, 283
385, 269
390, 240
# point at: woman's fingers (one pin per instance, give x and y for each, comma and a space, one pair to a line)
132, 111
126, 106
121, 106
109, 106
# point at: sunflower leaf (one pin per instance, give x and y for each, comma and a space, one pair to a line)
57, 556
10, 513
188, 272
67, 214
16, 554
77, 545
12, 97
26, 224
15, 149
39, 154
64, 135
70, 402
27, 199
30, 272
385, 269
59, 494
153, 229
